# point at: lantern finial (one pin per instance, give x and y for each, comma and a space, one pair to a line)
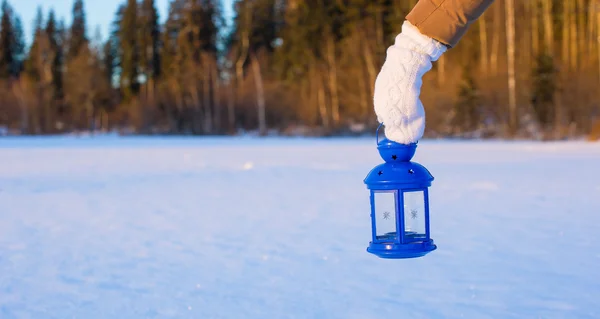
391, 151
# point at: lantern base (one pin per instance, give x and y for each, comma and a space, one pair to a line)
401, 251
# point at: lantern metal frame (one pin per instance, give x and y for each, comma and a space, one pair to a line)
399, 175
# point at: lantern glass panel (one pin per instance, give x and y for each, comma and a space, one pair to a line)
414, 216
385, 215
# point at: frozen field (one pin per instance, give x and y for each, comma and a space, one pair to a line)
277, 228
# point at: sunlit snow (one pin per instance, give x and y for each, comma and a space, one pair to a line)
278, 228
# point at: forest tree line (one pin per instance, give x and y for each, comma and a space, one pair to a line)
524, 69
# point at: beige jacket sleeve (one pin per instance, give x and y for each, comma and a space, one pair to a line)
446, 20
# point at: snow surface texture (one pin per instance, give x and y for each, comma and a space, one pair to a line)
277, 228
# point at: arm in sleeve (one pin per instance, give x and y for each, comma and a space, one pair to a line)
446, 20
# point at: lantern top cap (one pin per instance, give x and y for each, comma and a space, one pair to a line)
398, 171
391, 151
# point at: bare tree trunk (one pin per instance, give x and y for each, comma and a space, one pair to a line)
91, 116
18, 91
365, 71
46, 96
379, 30
239, 64
231, 107
239, 72
260, 96
206, 85
573, 35
217, 97
37, 111
175, 118
151, 99
101, 114
333, 86
565, 33
317, 85
483, 44
495, 41
322, 106
311, 96
363, 91
535, 27
589, 50
180, 107
243, 57
141, 110
580, 29
525, 37
550, 50
369, 61
441, 70
598, 40
306, 99
510, 48
44, 107
147, 104
197, 105
548, 30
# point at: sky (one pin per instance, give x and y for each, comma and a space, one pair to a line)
99, 13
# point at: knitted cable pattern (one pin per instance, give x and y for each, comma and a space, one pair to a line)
398, 85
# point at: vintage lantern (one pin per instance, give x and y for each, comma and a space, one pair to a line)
399, 203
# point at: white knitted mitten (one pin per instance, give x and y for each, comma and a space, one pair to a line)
398, 85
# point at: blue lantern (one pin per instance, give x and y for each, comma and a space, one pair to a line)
399, 203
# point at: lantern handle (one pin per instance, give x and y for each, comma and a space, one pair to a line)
377, 133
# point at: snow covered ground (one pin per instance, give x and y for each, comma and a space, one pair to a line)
277, 228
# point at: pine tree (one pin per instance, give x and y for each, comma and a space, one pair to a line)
171, 29
78, 36
171, 68
85, 88
51, 28
31, 61
264, 26
19, 50
310, 48
129, 51
38, 22
115, 44
108, 61
544, 87
149, 39
510, 48
467, 108
39, 73
253, 40
295, 52
7, 42
53, 32
192, 33
210, 15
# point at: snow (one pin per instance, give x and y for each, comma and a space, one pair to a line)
143, 227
